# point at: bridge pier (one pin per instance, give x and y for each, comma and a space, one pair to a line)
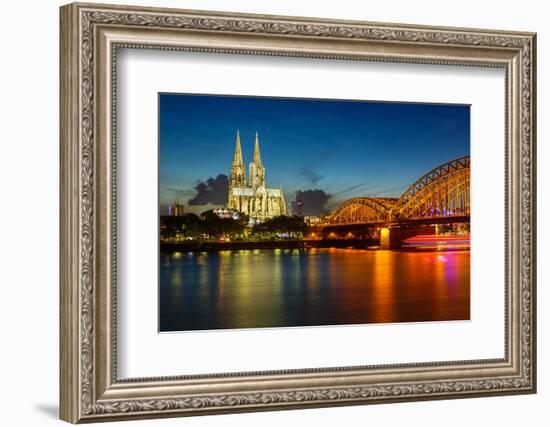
388, 235
392, 237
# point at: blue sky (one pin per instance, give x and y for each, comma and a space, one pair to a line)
345, 148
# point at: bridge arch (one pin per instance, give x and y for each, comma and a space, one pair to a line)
362, 210
444, 191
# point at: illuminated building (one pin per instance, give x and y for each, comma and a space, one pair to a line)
176, 209
227, 213
312, 220
252, 198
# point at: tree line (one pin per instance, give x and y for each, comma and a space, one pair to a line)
211, 226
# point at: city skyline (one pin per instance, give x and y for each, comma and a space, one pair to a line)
332, 150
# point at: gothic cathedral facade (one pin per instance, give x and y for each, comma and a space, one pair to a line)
253, 198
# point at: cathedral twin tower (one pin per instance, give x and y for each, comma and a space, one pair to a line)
252, 198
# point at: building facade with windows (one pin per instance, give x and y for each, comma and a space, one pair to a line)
176, 209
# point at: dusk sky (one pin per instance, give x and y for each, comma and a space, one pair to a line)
344, 148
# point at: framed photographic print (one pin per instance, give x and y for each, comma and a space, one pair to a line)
264, 212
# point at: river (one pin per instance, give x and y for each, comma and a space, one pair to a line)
304, 287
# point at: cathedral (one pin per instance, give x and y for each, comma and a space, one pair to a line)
252, 198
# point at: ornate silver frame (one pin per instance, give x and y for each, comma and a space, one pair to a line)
90, 36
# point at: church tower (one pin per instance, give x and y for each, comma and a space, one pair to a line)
256, 170
252, 199
238, 172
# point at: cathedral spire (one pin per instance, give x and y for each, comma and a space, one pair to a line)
256, 169
238, 156
257, 158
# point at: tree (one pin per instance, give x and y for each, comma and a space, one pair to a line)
292, 226
187, 224
214, 226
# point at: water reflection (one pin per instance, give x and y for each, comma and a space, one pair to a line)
286, 287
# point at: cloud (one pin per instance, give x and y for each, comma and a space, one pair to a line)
313, 202
178, 192
363, 185
389, 192
214, 191
310, 175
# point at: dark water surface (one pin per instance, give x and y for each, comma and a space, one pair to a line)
296, 287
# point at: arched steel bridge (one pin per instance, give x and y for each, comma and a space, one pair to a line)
444, 192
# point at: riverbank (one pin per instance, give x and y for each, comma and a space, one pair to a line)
198, 246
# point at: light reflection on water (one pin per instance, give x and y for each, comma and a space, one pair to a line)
291, 287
